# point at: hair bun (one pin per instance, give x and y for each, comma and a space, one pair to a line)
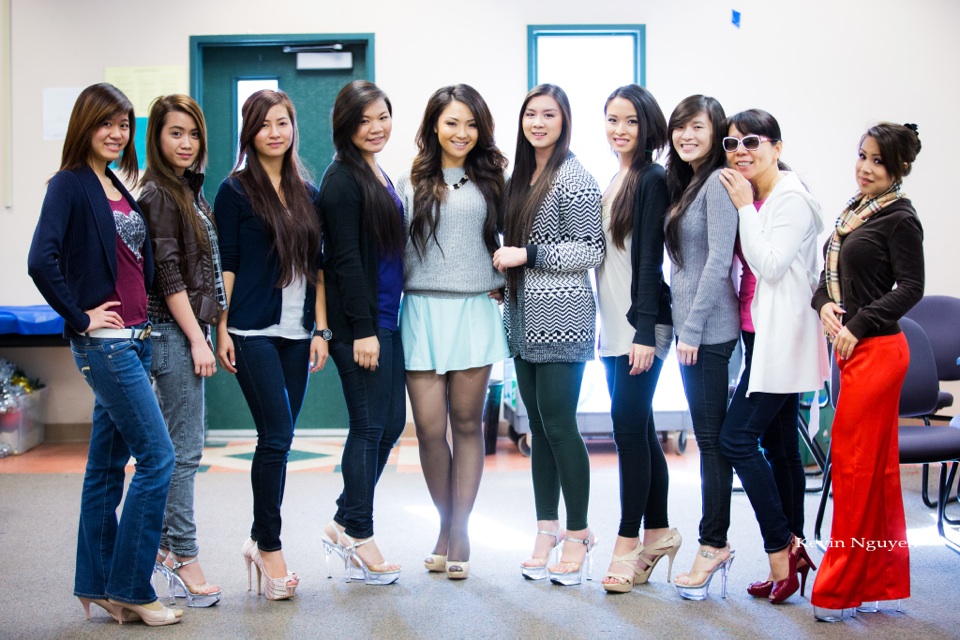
912, 127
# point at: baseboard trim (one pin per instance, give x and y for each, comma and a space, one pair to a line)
67, 432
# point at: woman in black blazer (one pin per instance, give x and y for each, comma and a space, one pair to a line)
91, 259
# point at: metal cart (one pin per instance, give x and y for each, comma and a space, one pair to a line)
593, 410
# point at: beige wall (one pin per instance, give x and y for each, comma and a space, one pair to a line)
824, 69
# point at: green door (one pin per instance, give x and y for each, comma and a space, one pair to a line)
221, 68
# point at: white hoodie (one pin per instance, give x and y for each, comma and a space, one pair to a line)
780, 245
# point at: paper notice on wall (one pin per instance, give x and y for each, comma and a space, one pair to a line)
57, 106
143, 84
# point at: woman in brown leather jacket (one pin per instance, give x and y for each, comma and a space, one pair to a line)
187, 297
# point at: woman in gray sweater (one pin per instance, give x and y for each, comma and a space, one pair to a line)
700, 234
553, 237
450, 322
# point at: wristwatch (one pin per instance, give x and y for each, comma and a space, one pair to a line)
326, 334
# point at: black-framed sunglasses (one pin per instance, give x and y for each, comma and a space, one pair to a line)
750, 143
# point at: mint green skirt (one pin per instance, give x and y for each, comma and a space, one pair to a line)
451, 334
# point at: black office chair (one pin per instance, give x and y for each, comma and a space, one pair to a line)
918, 444
955, 422
810, 442
939, 316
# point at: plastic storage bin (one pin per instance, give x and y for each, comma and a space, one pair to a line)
21, 428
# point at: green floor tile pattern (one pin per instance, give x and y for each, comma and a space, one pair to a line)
295, 455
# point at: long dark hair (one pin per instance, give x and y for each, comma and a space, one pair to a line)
683, 182
294, 236
161, 173
97, 103
757, 122
652, 137
484, 166
899, 145
378, 211
522, 201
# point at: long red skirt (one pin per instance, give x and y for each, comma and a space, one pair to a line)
867, 557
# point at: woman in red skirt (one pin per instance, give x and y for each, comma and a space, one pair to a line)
872, 277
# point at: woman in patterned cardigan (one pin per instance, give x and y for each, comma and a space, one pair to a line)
553, 237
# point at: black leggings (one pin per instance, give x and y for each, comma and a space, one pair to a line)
644, 479
559, 459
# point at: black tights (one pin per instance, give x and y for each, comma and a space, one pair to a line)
452, 471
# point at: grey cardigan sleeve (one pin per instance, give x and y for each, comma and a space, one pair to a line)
722, 221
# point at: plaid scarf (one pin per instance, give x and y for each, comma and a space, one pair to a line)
215, 250
857, 212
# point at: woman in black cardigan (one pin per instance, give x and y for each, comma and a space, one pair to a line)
363, 243
635, 331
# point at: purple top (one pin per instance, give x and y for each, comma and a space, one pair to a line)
390, 277
130, 290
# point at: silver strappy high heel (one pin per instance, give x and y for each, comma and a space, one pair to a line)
539, 571
181, 589
580, 570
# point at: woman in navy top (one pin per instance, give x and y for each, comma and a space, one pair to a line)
363, 243
92, 261
270, 250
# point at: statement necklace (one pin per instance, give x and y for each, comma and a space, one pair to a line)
454, 187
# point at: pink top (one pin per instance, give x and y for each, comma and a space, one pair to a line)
748, 284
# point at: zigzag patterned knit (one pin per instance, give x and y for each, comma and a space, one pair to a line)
552, 315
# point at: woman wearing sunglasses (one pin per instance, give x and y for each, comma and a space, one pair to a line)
700, 233
873, 276
784, 349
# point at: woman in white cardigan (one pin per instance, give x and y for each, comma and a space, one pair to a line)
784, 346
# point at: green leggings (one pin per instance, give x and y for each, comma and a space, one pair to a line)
559, 458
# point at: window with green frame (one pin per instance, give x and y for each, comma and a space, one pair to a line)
588, 62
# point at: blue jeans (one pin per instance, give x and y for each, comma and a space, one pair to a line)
706, 387
272, 373
644, 479
376, 405
115, 559
776, 494
180, 393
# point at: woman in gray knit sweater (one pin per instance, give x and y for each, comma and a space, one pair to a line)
553, 236
450, 324
700, 235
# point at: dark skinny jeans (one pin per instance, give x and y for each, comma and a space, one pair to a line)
774, 483
376, 405
706, 387
644, 480
272, 373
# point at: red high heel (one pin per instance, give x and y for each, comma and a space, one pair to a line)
804, 569
783, 589
762, 589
